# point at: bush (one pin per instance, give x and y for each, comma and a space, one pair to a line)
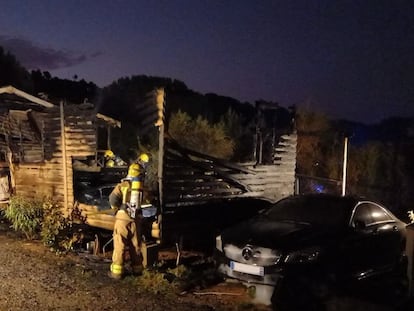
200, 135
38, 217
53, 223
161, 282
25, 216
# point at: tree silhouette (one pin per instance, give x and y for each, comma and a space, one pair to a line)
57, 89
12, 73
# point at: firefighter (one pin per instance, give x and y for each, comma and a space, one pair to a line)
126, 199
109, 158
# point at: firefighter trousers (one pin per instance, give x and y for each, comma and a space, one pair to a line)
127, 237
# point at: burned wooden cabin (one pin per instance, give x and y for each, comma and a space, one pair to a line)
197, 192
44, 145
201, 195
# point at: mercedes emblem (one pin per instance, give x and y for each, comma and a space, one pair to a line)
247, 253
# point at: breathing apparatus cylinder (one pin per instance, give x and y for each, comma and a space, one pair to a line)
136, 194
135, 179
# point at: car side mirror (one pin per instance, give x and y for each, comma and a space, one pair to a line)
359, 224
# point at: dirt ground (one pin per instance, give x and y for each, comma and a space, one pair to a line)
35, 278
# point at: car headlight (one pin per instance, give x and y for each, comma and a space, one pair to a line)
219, 243
304, 255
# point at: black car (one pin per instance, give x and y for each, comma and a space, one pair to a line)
95, 195
309, 239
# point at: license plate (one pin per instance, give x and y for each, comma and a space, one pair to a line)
249, 269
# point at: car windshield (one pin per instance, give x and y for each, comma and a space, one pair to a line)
327, 211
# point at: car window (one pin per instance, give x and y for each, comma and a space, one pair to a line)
362, 214
379, 214
312, 210
370, 213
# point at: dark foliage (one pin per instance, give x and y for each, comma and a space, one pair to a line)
43, 84
12, 73
56, 89
120, 99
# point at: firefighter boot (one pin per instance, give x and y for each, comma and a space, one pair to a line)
114, 276
115, 272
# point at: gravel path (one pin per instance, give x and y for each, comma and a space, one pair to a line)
34, 278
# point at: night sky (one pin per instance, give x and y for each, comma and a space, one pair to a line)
349, 59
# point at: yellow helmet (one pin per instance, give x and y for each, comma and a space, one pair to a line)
110, 163
133, 170
109, 154
143, 158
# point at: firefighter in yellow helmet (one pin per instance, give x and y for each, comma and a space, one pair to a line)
109, 157
143, 160
126, 199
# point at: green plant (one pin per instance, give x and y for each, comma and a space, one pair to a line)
201, 135
25, 215
53, 223
155, 282
161, 282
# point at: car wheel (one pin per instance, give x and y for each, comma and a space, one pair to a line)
296, 294
400, 279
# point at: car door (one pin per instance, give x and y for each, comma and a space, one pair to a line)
358, 248
379, 230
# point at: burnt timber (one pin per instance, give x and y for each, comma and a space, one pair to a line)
43, 143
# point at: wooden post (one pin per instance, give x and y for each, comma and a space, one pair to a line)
9, 155
108, 137
344, 168
21, 152
255, 142
260, 161
160, 165
160, 104
63, 142
42, 138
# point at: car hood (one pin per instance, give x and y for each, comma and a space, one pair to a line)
277, 234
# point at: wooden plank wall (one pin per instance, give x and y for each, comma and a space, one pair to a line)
37, 180
278, 180
190, 178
